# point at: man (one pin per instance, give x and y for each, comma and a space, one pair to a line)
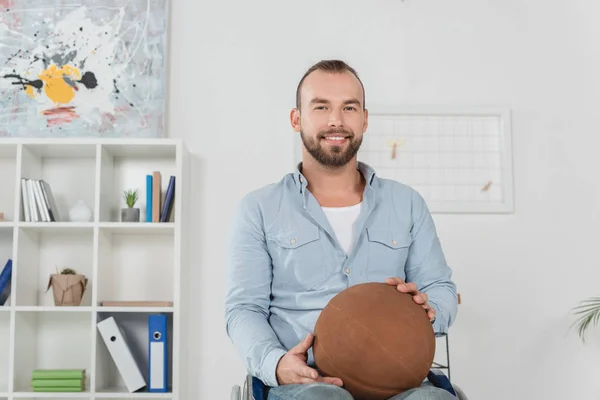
330, 224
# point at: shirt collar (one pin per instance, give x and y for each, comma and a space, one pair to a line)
366, 170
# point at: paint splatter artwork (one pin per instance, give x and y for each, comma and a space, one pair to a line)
83, 68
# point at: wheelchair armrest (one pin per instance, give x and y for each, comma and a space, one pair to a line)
236, 393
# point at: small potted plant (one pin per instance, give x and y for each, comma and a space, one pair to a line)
68, 287
130, 214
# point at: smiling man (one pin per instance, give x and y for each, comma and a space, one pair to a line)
330, 224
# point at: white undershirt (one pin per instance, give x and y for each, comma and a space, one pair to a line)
342, 221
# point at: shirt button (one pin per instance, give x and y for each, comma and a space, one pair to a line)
394, 242
347, 270
293, 241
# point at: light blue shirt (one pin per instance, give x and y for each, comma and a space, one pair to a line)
284, 263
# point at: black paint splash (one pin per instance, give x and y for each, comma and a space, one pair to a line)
89, 80
38, 84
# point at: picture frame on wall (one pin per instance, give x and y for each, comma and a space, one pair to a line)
83, 68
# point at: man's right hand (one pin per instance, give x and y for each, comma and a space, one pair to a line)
292, 367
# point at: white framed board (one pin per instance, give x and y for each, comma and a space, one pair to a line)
458, 158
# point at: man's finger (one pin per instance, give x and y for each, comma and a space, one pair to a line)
394, 281
304, 380
304, 345
331, 380
431, 314
421, 298
410, 287
308, 372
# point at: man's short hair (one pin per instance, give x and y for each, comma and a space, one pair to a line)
333, 66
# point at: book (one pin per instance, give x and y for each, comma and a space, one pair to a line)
168, 203
156, 196
5, 282
61, 383
135, 303
57, 389
38, 201
40, 374
149, 195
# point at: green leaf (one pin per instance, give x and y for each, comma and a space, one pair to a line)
131, 197
589, 315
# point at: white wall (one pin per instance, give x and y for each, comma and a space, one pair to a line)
234, 70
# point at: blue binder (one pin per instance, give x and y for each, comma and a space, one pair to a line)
5, 282
157, 353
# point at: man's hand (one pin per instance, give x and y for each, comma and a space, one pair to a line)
418, 297
292, 367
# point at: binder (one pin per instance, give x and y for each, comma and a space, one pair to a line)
157, 353
121, 354
5, 282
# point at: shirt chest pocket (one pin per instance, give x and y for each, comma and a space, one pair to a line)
297, 256
387, 253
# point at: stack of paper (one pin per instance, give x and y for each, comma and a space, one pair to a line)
58, 380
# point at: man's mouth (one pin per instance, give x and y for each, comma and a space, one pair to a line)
335, 139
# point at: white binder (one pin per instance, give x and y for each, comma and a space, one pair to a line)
121, 354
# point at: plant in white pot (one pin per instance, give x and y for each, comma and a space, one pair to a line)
130, 214
588, 312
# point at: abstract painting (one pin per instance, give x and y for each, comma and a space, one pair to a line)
83, 67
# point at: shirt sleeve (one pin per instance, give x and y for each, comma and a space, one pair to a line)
248, 292
427, 267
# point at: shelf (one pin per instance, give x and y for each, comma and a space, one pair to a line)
50, 396
123, 261
8, 168
6, 246
56, 309
126, 167
70, 170
157, 310
138, 227
51, 340
140, 396
117, 393
57, 226
133, 267
134, 326
4, 349
44, 251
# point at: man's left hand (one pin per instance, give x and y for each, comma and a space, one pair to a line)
418, 297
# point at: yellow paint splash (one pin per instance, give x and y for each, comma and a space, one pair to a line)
29, 91
55, 86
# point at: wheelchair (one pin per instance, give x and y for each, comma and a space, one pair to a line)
254, 389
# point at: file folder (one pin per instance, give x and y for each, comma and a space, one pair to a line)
121, 354
157, 353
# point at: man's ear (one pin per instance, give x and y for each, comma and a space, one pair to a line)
295, 119
366, 124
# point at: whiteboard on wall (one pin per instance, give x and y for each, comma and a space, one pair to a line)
458, 159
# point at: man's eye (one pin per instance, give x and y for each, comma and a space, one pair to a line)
319, 107
350, 108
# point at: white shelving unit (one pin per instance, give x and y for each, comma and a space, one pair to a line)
123, 261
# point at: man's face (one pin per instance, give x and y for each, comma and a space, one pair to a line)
331, 119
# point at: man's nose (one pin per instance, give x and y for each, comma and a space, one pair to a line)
335, 118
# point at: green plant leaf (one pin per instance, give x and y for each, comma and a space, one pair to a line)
131, 197
68, 271
588, 312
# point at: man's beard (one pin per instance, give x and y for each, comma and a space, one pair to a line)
336, 156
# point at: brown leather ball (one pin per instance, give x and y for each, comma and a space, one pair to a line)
378, 341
